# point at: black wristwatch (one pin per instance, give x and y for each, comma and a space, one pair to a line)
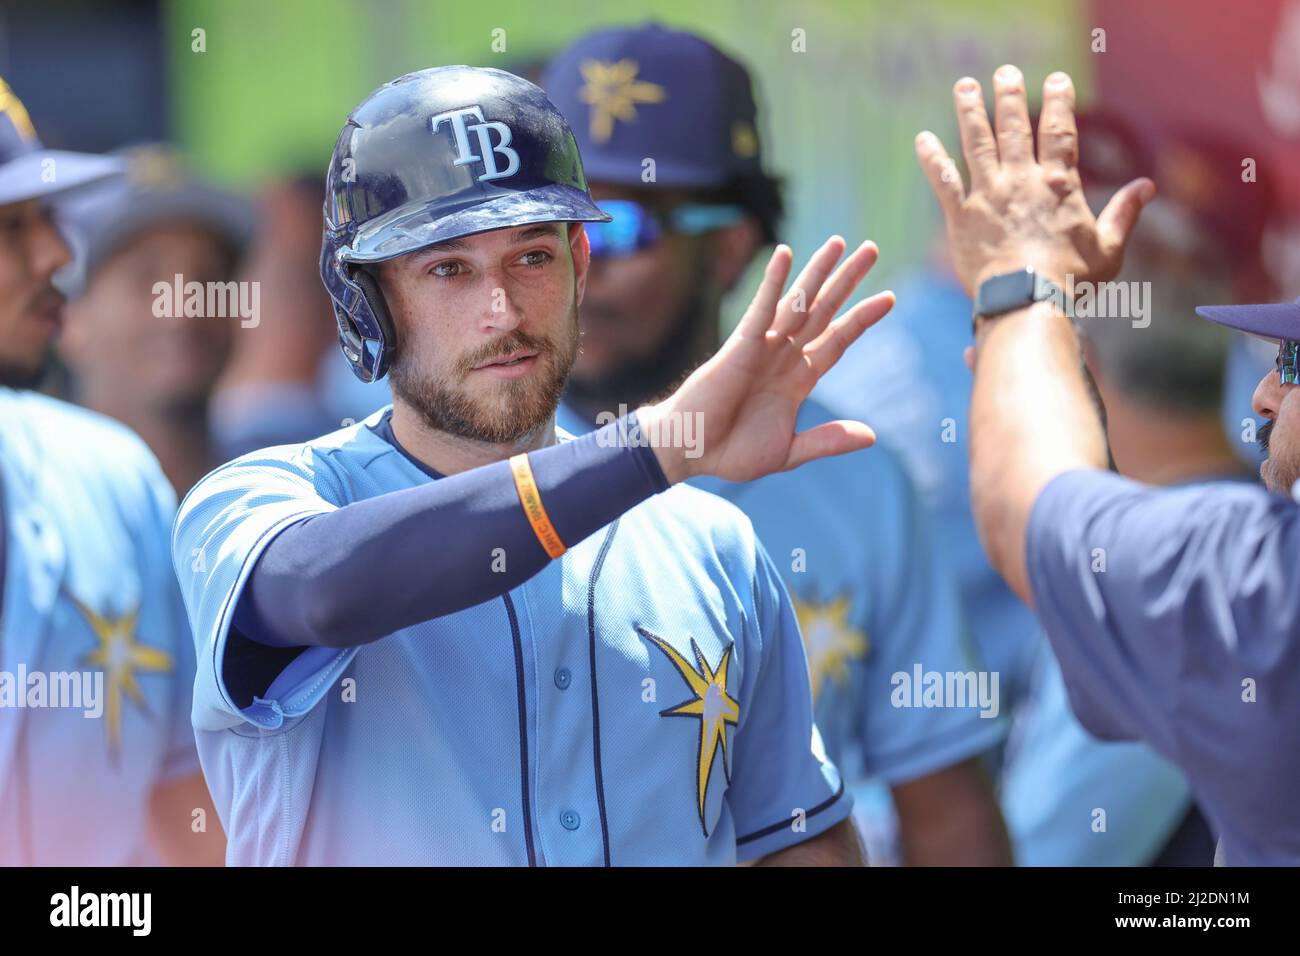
1010, 291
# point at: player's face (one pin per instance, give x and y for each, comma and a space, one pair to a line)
114, 342
635, 302
487, 328
31, 251
1279, 402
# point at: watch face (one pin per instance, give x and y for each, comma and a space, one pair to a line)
1003, 293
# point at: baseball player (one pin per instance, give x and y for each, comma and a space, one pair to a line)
440, 635
97, 757
869, 584
155, 223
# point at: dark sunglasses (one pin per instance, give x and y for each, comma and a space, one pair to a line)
634, 227
1288, 362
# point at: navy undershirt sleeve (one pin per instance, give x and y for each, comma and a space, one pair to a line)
373, 567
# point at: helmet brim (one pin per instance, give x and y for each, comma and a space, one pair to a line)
409, 230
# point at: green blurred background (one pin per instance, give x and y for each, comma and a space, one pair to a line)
271, 91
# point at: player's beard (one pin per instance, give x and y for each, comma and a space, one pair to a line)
518, 407
636, 381
24, 363
25, 375
1281, 468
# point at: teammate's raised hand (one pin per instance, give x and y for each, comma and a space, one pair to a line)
1023, 210
747, 395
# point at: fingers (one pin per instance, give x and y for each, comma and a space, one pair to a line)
941, 171
1015, 136
1117, 220
831, 438
825, 350
1058, 137
968, 356
798, 302
837, 291
977, 143
758, 317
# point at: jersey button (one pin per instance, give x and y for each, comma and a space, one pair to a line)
563, 678
570, 820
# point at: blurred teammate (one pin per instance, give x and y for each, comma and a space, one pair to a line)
447, 638
92, 623
873, 595
285, 381
1185, 637
155, 224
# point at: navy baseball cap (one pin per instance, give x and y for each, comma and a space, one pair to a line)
1276, 322
28, 170
157, 187
648, 92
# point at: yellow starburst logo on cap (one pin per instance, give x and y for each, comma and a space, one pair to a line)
120, 656
830, 641
12, 106
155, 167
744, 139
710, 704
613, 92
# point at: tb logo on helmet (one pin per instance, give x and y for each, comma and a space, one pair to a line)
482, 130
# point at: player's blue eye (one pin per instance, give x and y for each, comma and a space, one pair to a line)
446, 270
535, 259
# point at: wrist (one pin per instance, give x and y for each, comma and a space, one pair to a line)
1049, 271
674, 464
1044, 311
999, 293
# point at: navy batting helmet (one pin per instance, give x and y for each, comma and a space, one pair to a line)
433, 156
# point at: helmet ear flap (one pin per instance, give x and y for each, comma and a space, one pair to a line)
378, 305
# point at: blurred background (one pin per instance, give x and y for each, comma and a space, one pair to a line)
231, 109
269, 92
253, 94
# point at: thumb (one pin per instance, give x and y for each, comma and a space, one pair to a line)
832, 438
1117, 220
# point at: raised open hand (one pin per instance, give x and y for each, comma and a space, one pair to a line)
1023, 210
747, 395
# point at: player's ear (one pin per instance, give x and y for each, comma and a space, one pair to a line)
580, 247
732, 248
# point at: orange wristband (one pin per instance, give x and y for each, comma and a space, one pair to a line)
531, 499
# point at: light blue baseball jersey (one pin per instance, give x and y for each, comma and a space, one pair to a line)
96, 659
874, 600
906, 377
644, 699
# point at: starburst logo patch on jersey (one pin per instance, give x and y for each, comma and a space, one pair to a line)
710, 704
120, 656
613, 92
829, 639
